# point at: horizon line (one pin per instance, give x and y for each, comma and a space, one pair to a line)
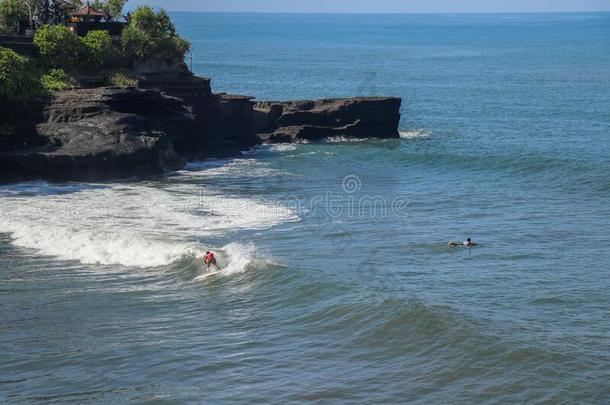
392, 13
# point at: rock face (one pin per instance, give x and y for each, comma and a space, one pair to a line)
225, 122
109, 132
374, 117
104, 133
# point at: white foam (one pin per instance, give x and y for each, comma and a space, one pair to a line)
234, 167
140, 225
414, 133
282, 147
91, 247
240, 257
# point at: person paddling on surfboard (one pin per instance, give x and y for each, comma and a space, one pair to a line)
467, 243
210, 259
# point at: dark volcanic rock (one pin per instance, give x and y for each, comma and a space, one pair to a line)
375, 117
109, 132
102, 133
225, 121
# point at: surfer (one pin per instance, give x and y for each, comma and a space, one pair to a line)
210, 259
467, 243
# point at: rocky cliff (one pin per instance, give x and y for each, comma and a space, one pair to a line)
373, 117
109, 132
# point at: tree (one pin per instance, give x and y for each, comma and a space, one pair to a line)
32, 7
114, 8
61, 8
12, 14
151, 34
165, 24
44, 12
144, 18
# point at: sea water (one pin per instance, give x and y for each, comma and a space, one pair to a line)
339, 285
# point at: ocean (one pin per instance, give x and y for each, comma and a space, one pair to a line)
338, 284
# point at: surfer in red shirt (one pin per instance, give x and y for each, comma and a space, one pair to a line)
210, 259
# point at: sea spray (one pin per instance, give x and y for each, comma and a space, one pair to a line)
239, 256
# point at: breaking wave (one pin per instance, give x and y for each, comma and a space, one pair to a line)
414, 133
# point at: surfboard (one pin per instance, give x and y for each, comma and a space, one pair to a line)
454, 244
207, 274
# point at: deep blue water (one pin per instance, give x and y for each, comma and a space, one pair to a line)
339, 285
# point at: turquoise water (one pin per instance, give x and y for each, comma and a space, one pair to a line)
339, 286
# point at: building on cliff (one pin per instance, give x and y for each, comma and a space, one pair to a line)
88, 18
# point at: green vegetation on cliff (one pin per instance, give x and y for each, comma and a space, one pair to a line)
19, 80
152, 35
148, 35
63, 55
56, 80
22, 79
60, 48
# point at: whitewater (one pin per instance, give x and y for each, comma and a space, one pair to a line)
139, 225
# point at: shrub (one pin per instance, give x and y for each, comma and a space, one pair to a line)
18, 79
151, 34
119, 79
100, 50
56, 80
59, 47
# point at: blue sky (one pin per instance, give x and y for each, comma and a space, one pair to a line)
381, 6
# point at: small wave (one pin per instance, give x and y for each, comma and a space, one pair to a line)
549, 301
245, 167
414, 133
270, 148
385, 320
476, 160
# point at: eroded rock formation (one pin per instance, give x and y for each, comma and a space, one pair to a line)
373, 117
